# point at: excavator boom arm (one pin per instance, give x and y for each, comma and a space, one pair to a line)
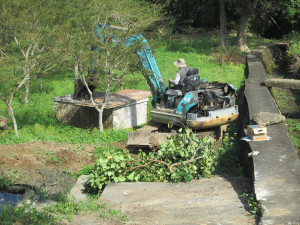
152, 74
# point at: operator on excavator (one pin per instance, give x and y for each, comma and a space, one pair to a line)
181, 73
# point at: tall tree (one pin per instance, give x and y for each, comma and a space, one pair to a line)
243, 25
222, 16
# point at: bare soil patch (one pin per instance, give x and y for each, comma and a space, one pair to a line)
47, 166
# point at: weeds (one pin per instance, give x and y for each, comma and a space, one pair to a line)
66, 209
4, 182
25, 215
227, 154
254, 207
288, 105
293, 127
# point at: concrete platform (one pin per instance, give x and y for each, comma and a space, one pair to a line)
213, 200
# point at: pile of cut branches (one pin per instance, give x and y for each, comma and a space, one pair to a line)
181, 158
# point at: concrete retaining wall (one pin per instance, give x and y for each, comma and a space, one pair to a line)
275, 170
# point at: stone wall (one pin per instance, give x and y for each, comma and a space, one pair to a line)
270, 56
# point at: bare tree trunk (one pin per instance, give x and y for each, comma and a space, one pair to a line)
101, 129
76, 71
26, 92
222, 42
101, 109
12, 115
8, 102
243, 24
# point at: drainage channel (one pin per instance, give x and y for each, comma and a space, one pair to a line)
18, 195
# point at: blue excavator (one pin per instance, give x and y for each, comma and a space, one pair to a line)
194, 103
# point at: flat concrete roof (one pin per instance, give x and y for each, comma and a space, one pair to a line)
116, 99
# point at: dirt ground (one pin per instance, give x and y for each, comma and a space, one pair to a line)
47, 166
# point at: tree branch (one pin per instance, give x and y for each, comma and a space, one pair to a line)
184, 163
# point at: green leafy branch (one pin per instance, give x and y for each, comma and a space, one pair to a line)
181, 158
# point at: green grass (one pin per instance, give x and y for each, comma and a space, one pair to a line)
37, 121
66, 209
288, 105
54, 214
293, 127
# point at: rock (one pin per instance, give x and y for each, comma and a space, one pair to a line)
266, 118
77, 192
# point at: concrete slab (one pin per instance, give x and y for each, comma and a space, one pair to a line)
213, 200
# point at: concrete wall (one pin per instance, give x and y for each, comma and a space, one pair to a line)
275, 169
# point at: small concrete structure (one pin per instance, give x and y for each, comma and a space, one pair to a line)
124, 109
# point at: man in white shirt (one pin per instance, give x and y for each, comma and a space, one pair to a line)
181, 73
